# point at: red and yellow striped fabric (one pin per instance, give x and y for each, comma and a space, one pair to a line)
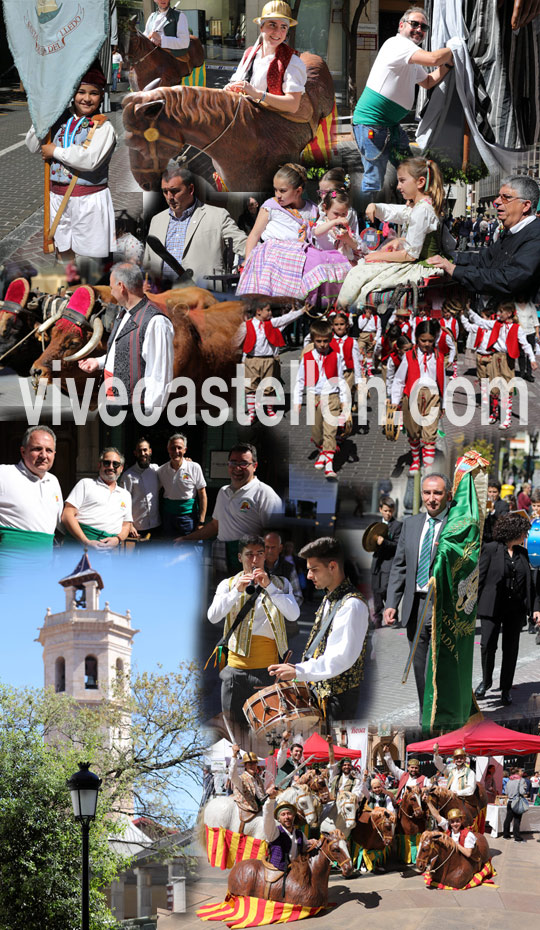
224, 847
485, 876
323, 147
479, 823
239, 912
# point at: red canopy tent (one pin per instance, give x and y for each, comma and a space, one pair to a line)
317, 747
482, 738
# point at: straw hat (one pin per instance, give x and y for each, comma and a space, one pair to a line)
276, 9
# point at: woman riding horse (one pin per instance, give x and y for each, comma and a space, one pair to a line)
271, 72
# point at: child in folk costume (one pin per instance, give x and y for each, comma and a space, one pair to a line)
83, 141
332, 231
369, 337
447, 341
402, 318
504, 342
388, 344
261, 339
335, 179
420, 184
347, 348
527, 315
321, 374
394, 360
423, 365
288, 262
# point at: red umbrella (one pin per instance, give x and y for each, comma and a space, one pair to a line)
482, 738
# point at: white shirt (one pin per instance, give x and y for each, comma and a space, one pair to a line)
262, 348
294, 79
470, 839
282, 225
392, 76
398, 773
357, 365
437, 529
225, 599
99, 507
158, 355
143, 485
453, 774
522, 223
501, 344
343, 646
77, 157
183, 483
271, 829
117, 59
246, 511
472, 329
370, 324
28, 502
157, 21
382, 800
323, 385
428, 373
418, 220
358, 786
528, 317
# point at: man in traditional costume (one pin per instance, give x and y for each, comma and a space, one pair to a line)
285, 842
97, 511
334, 655
168, 28
261, 637
184, 487
286, 766
460, 778
248, 786
30, 497
406, 779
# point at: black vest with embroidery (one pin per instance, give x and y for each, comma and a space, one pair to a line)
352, 676
129, 364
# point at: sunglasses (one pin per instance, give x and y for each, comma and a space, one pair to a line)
416, 25
108, 464
232, 464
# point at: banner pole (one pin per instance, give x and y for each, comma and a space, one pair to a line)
48, 246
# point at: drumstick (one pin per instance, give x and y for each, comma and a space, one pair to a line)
285, 661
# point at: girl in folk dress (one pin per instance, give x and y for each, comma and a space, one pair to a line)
420, 184
83, 142
332, 230
335, 179
423, 364
287, 263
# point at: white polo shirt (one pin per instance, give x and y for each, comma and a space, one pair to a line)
247, 511
99, 507
143, 485
28, 502
392, 74
181, 484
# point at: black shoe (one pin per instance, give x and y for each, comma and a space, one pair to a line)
480, 691
518, 839
506, 836
505, 698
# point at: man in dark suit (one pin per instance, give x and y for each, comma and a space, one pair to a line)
383, 557
511, 265
411, 570
498, 507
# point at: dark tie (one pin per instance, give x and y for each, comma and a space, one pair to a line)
422, 574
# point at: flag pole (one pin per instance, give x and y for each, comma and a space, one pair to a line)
419, 628
48, 244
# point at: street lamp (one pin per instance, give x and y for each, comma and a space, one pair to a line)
84, 787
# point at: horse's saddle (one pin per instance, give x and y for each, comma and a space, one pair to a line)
271, 876
304, 113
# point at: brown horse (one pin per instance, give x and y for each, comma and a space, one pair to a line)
411, 816
306, 882
148, 61
374, 829
246, 142
438, 855
444, 800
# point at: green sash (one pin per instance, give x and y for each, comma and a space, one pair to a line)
91, 533
178, 508
373, 109
16, 540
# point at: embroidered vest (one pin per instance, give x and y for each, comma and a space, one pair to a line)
352, 677
512, 342
413, 371
349, 784
311, 371
249, 799
279, 850
272, 333
61, 174
345, 348
129, 365
457, 781
240, 641
405, 778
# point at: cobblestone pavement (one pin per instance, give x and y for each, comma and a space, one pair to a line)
400, 898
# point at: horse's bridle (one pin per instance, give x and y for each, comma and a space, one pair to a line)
139, 60
437, 867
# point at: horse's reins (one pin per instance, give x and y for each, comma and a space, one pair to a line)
210, 144
437, 867
139, 60
31, 333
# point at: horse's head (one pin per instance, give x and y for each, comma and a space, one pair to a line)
153, 137
334, 846
411, 803
384, 823
309, 806
347, 805
432, 844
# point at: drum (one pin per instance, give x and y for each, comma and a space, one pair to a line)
285, 705
392, 426
533, 544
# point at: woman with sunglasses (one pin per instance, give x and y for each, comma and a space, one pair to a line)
389, 95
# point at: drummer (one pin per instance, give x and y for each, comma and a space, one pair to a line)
261, 637
270, 71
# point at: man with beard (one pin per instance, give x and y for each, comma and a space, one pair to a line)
461, 779
183, 486
142, 482
97, 511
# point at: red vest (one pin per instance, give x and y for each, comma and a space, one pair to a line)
413, 371
462, 834
395, 358
278, 66
347, 347
330, 367
479, 336
512, 343
405, 778
273, 335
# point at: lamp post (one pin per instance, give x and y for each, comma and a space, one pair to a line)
84, 788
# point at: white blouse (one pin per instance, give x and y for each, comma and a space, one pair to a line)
417, 221
294, 79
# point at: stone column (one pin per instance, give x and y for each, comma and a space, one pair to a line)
144, 892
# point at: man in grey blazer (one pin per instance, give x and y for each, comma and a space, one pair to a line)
193, 232
411, 570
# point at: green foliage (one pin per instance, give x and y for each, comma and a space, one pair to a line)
453, 172
482, 446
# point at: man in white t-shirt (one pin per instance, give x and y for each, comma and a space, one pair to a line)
183, 484
168, 28
389, 95
97, 511
142, 482
30, 497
